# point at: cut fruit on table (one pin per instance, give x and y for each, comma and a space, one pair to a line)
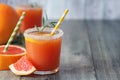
13, 54
22, 67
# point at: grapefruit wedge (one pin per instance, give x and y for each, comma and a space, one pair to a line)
13, 54
22, 67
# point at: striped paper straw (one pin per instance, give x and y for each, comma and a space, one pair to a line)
59, 22
14, 32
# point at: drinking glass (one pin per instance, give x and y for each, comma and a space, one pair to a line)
43, 50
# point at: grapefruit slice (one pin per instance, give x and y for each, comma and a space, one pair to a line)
22, 67
13, 54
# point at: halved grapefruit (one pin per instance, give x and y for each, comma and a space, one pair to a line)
22, 67
13, 54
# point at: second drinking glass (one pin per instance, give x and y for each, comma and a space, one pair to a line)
32, 18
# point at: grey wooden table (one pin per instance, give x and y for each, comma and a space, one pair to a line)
90, 51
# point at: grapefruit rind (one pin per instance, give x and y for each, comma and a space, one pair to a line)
21, 72
14, 54
6, 60
22, 67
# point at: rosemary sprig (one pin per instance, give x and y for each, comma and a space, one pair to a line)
51, 24
37, 28
45, 23
45, 18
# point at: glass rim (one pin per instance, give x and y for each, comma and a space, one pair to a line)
58, 33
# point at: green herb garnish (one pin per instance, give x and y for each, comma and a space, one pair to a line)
46, 23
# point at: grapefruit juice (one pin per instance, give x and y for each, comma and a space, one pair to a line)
32, 18
44, 50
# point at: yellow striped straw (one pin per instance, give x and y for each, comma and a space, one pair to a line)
59, 22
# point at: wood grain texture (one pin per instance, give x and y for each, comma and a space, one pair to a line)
8, 75
90, 51
104, 39
76, 61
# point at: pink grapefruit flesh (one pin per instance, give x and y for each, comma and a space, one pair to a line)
22, 67
13, 54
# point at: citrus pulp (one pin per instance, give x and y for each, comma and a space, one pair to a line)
13, 53
22, 67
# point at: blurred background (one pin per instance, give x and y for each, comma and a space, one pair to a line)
79, 9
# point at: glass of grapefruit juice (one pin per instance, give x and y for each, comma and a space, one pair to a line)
32, 18
43, 50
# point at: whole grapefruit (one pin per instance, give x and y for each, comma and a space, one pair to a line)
8, 21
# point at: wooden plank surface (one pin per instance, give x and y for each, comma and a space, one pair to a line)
90, 51
8, 75
104, 39
76, 62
